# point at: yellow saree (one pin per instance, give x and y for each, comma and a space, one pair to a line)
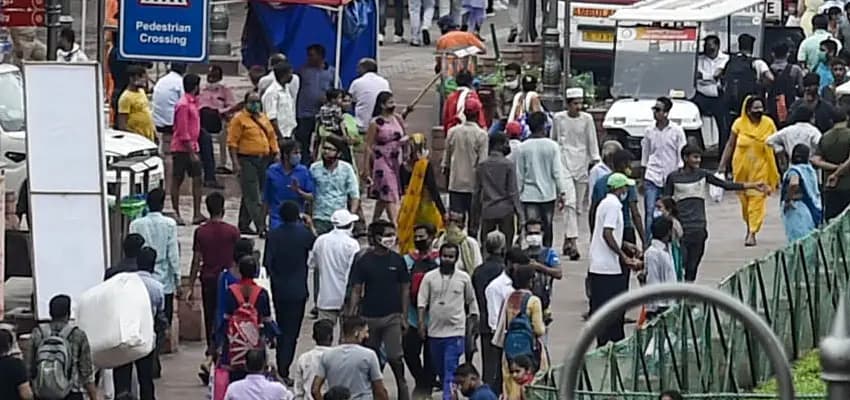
417, 207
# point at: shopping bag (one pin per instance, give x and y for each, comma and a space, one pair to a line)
716, 192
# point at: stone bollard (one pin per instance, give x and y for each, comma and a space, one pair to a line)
835, 354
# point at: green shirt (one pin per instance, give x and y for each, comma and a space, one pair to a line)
834, 147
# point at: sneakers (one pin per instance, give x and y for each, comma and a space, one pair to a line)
399, 39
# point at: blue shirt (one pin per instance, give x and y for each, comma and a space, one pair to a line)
278, 189
315, 83
287, 248
154, 291
826, 77
160, 233
600, 189
333, 188
483, 393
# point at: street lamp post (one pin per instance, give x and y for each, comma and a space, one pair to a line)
750, 319
54, 25
552, 99
835, 354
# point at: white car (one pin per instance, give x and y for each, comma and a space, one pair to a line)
118, 145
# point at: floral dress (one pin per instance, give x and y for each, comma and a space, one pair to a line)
386, 164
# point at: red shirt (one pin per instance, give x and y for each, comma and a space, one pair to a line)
187, 125
450, 118
215, 241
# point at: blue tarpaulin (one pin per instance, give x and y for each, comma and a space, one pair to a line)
290, 29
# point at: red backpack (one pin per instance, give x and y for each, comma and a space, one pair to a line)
243, 328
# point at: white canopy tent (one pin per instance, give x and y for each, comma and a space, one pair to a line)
686, 10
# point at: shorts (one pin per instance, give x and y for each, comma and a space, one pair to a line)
183, 166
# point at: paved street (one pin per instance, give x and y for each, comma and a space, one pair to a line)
408, 69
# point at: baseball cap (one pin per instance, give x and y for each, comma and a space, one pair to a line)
343, 217
619, 181
513, 129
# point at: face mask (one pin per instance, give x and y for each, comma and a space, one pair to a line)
623, 196
294, 159
525, 379
513, 85
387, 242
535, 240
390, 109
421, 245
447, 267
757, 115
657, 213
253, 107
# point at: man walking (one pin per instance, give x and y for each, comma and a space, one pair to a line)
184, 148
256, 385
546, 264
287, 249
466, 147
131, 246
493, 267
495, 202
269, 78
660, 148
421, 260
575, 132
336, 185
447, 296
542, 177
317, 78
167, 91
287, 180
160, 233
279, 103
381, 280
331, 258
351, 365
365, 90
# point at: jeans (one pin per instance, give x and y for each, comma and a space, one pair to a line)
445, 354
417, 356
543, 212
421, 14
289, 314
651, 194
398, 18
304, 135
251, 180
207, 151
386, 331
693, 248
209, 296
122, 378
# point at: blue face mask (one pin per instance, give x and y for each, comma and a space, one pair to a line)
294, 159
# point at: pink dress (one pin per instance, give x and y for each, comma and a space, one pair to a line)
387, 156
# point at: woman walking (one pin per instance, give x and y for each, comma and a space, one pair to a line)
752, 161
421, 203
801, 201
384, 140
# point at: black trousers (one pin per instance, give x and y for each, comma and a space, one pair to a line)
205, 143
289, 315
834, 203
603, 288
209, 297
715, 107
491, 363
417, 356
693, 248
122, 378
304, 136
169, 316
506, 225
460, 202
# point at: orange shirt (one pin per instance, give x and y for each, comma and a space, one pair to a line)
458, 40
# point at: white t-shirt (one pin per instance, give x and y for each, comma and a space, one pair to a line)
266, 82
279, 106
365, 91
332, 255
609, 214
166, 93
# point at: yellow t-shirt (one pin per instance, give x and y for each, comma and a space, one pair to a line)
138, 110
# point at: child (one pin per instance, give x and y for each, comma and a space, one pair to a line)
522, 371
666, 207
338, 393
305, 367
468, 381
658, 263
335, 120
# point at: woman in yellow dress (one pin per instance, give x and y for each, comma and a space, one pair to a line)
752, 161
421, 203
807, 10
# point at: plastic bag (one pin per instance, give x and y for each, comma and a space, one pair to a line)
716, 192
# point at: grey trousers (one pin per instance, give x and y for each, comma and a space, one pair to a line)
421, 14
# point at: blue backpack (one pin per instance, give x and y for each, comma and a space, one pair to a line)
519, 338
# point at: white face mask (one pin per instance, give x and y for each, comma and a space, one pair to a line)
535, 240
513, 85
388, 242
657, 213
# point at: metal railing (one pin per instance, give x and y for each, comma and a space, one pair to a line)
697, 348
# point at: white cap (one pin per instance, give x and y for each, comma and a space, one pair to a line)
343, 217
575, 93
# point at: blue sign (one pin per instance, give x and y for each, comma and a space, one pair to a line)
164, 30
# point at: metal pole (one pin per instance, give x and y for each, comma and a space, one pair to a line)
552, 99
83, 17
66, 19
54, 25
100, 32
835, 354
567, 64
752, 321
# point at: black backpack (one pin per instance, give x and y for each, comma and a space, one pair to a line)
739, 81
782, 94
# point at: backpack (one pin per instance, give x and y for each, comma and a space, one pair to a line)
52, 379
519, 338
541, 284
243, 329
739, 80
781, 95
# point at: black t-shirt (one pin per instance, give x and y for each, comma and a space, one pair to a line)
13, 373
382, 276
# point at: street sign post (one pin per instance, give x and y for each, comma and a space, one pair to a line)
164, 30
20, 13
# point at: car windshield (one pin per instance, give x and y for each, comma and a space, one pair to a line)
741, 23
11, 102
652, 62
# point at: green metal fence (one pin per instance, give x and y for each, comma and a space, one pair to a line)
695, 348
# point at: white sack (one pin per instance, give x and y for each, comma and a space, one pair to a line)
116, 316
716, 192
